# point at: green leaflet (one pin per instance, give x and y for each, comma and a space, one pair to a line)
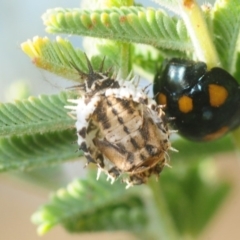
226, 26
37, 150
56, 56
127, 24
61, 58
90, 205
35, 115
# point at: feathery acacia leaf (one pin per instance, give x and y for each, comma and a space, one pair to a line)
56, 56
35, 115
59, 57
226, 25
38, 150
127, 24
90, 205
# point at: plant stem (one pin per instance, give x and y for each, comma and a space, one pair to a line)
162, 224
199, 33
125, 57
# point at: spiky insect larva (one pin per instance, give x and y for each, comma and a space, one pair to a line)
119, 128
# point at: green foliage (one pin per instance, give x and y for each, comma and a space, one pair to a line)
90, 205
35, 115
57, 56
226, 26
196, 200
126, 24
38, 132
26, 152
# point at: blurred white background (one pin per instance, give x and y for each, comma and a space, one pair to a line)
20, 21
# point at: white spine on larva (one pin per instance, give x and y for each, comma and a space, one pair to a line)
127, 90
83, 112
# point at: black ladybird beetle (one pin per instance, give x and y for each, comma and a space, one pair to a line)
204, 104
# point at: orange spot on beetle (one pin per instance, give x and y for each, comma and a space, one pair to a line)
162, 99
217, 95
185, 104
216, 134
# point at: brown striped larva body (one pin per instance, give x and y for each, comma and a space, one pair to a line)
119, 128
